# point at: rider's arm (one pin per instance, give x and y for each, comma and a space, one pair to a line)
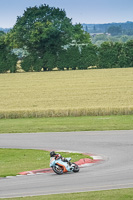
64, 159
58, 156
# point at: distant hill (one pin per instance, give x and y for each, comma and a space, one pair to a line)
5, 30
125, 27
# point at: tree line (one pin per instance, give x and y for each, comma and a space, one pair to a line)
50, 40
113, 28
98, 39
108, 55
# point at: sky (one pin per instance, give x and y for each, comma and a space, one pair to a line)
81, 11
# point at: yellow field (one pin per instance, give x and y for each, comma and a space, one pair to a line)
66, 93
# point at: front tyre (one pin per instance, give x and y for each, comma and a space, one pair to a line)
58, 170
76, 168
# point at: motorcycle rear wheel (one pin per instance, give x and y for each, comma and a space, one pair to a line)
58, 170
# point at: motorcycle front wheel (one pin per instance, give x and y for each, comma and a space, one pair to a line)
58, 170
76, 168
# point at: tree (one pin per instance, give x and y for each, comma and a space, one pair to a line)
50, 60
27, 63
42, 29
8, 60
128, 31
115, 30
3, 66
124, 38
62, 61
122, 62
126, 55
12, 62
2, 33
108, 54
80, 36
99, 39
69, 58
86, 29
128, 50
88, 56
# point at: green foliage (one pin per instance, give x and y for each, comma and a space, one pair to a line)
69, 58
27, 63
73, 57
42, 28
37, 65
10, 40
128, 31
125, 28
62, 61
44, 31
88, 56
47, 37
12, 61
8, 60
124, 38
116, 54
79, 36
49, 60
3, 66
109, 54
122, 62
100, 38
33, 63
115, 30
2, 33
128, 53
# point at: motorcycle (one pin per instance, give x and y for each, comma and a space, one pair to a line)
60, 167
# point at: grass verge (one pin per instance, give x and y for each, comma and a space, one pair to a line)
62, 124
120, 194
13, 161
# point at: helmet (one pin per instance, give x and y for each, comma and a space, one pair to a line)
52, 153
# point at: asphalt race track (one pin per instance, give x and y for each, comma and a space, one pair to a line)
115, 172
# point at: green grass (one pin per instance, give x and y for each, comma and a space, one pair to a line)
13, 161
61, 124
120, 194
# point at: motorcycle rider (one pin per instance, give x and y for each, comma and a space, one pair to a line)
58, 156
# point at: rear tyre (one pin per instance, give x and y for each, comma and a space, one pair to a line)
76, 168
58, 170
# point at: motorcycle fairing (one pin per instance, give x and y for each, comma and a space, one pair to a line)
64, 165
